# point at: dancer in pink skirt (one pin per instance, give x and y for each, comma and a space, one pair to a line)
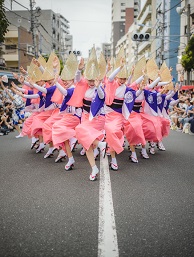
119, 103
90, 132
63, 130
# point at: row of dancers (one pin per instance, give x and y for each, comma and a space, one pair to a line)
97, 105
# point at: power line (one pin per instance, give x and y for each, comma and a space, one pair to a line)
173, 6
16, 14
21, 5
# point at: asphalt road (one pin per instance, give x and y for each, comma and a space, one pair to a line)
47, 211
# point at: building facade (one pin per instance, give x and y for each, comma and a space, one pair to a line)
51, 30
106, 50
17, 48
124, 13
186, 25
167, 34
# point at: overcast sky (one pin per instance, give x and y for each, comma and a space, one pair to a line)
90, 20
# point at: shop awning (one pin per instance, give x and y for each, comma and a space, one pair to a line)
187, 87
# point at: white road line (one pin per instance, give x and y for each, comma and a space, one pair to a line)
107, 236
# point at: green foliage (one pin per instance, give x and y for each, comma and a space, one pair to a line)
4, 23
187, 60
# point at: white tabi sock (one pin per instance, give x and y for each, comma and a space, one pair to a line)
114, 161
133, 154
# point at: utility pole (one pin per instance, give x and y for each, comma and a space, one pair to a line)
162, 31
32, 29
188, 36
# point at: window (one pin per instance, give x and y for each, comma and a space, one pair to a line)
29, 49
192, 17
185, 29
10, 47
122, 4
122, 17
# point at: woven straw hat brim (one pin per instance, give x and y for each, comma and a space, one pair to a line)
152, 69
92, 73
92, 70
101, 66
36, 74
170, 86
31, 68
166, 75
49, 72
141, 64
163, 67
121, 54
123, 74
70, 67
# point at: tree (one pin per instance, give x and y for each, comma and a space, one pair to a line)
187, 60
4, 23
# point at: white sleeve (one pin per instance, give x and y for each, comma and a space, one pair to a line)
77, 76
113, 74
139, 80
61, 89
41, 89
129, 80
174, 102
20, 89
160, 84
138, 92
100, 92
180, 86
27, 84
34, 96
170, 95
154, 83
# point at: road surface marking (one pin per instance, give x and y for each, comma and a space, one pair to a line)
107, 235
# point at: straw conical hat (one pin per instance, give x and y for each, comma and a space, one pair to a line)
49, 72
170, 86
163, 67
152, 69
112, 63
36, 74
101, 66
140, 65
31, 68
166, 75
92, 71
121, 54
42, 61
123, 73
70, 67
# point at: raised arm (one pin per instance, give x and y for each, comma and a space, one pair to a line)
41, 89
79, 70
18, 88
154, 83
61, 89
99, 89
115, 72
33, 96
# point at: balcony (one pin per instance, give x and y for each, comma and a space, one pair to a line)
146, 15
11, 57
12, 34
144, 46
145, 28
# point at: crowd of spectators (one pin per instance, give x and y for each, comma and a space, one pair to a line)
182, 114
10, 103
